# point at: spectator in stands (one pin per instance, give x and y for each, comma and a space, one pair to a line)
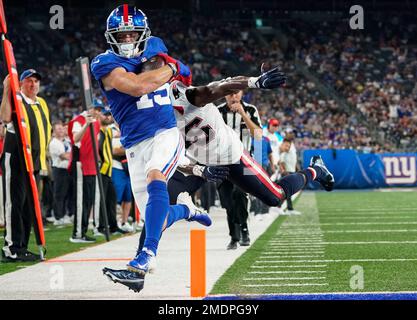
121, 180
83, 170
60, 152
288, 165
106, 168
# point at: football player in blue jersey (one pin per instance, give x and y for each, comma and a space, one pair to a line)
141, 105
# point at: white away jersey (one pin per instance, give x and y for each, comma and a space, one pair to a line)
208, 140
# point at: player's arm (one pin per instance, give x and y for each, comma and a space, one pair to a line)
200, 96
80, 132
6, 108
138, 84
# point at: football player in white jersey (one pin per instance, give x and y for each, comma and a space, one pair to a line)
215, 148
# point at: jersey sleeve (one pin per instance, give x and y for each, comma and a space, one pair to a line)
102, 65
178, 95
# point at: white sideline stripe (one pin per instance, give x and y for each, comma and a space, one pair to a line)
279, 272
291, 256
291, 261
288, 252
285, 285
373, 209
362, 223
301, 246
380, 218
371, 231
323, 293
308, 233
304, 246
370, 242
351, 242
284, 278
291, 237
342, 260
298, 243
289, 266
371, 213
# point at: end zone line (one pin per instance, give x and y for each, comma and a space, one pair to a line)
322, 296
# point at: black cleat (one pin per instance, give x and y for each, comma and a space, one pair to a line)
244, 238
328, 180
232, 245
133, 280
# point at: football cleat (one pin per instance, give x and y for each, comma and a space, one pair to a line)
142, 263
327, 181
196, 214
132, 280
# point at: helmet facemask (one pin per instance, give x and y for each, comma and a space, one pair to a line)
132, 49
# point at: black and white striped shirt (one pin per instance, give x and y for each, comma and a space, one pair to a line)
235, 121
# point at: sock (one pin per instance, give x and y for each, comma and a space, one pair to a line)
313, 173
177, 212
319, 172
155, 213
293, 183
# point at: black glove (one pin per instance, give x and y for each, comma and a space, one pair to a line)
271, 79
215, 174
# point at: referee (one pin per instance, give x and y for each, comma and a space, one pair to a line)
17, 195
244, 119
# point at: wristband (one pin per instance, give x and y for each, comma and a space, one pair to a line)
252, 82
173, 68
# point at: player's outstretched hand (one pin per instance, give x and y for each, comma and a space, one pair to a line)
182, 69
271, 79
215, 174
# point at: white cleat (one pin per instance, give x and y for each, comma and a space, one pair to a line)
196, 213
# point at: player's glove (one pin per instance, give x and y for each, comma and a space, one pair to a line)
271, 79
215, 174
212, 174
178, 67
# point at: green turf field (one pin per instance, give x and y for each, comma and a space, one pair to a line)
57, 244
343, 242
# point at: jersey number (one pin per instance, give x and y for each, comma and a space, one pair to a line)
207, 135
158, 97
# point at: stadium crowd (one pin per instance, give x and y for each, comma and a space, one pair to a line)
375, 72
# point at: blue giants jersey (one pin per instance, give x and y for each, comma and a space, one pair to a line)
139, 118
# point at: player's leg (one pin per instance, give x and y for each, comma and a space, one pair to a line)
161, 155
177, 184
250, 177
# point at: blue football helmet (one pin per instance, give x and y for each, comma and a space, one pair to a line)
127, 18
